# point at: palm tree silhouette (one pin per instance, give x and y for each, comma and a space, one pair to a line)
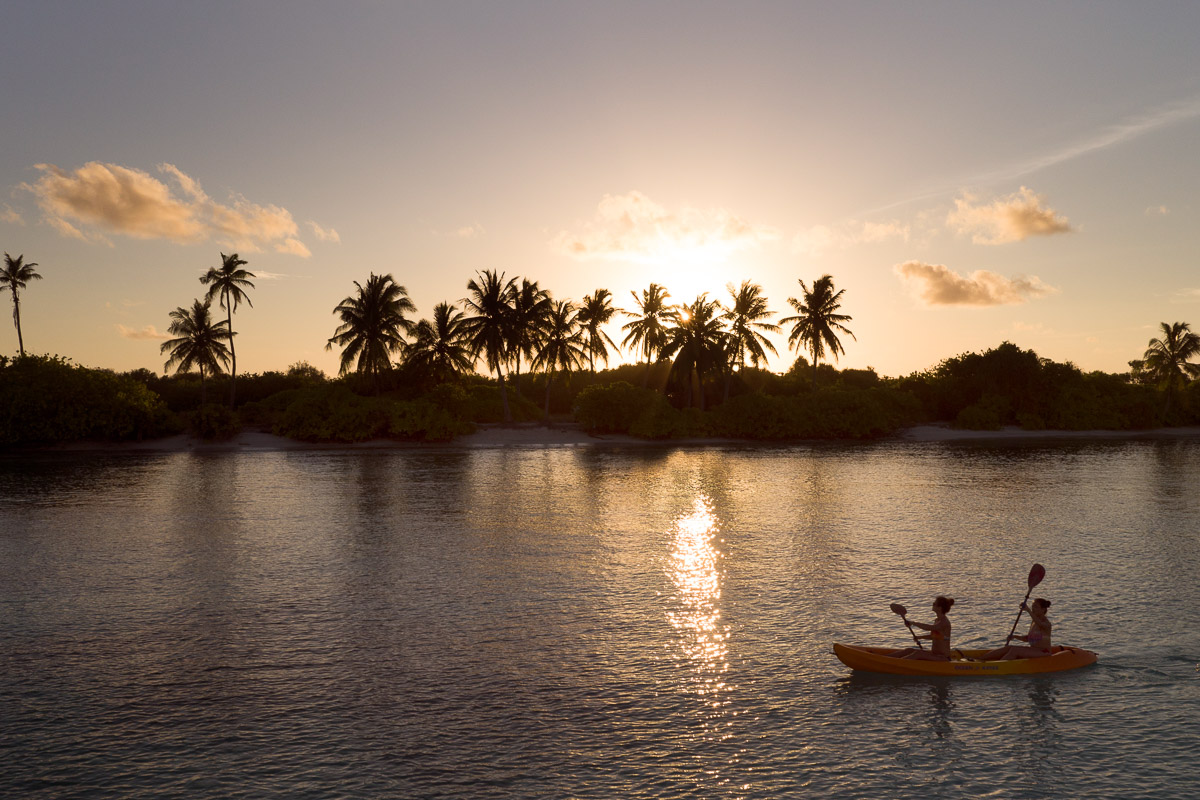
489, 324
745, 316
817, 319
647, 328
596, 310
1168, 359
530, 307
562, 346
200, 343
229, 281
15, 275
373, 326
441, 345
698, 337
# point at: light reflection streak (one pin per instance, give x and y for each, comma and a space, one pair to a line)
694, 568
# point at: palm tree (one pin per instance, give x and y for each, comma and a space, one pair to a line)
1168, 359
229, 281
200, 342
440, 346
530, 305
489, 326
373, 326
647, 328
817, 319
596, 310
745, 317
562, 346
15, 275
698, 337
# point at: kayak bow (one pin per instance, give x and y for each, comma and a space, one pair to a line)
875, 659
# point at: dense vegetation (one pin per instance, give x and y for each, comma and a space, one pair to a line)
47, 400
420, 381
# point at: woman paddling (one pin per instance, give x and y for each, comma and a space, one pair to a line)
938, 636
1037, 640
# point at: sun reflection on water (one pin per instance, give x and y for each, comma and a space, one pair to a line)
695, 614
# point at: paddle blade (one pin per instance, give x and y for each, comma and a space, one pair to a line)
1035, 575
899, 609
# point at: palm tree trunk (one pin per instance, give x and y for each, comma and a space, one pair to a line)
17, 319
814, 369
203, 388
549, 381
504, 396
646, 377
232, 355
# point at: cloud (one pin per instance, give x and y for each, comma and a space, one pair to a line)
148, 332
1186, 296
10, 215
820, 238
472, 231
938, 285
632, 227
1160, 211
324, 234
1009, 219
103, 198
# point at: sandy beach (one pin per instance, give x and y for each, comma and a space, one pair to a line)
572, 435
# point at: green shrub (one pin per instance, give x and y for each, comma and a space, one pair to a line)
213, 422
49, 400
614, 407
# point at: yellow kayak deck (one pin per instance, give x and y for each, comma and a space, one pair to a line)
875, 659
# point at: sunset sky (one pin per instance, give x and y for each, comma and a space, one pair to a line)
968, 173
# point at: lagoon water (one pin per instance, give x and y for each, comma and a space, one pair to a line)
584, 622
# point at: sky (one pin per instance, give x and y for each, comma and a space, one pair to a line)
968, 173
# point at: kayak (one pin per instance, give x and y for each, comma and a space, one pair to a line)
875, 659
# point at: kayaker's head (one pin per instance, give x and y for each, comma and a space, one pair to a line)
942, 604
1042, 604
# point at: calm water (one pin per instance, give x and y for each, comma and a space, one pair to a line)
591, 623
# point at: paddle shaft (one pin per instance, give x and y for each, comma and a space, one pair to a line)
914, 633
1035, 577
1020, 611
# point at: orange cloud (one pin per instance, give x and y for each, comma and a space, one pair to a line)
820, 238
1009, 219
148, 332
938, 285
10, 215
632, 227
100, 198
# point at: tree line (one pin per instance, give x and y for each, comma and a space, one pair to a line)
698, 367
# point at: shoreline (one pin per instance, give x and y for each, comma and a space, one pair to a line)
490, 436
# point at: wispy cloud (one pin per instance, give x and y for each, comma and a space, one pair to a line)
848, 233
11, 215
1157, 211
98, 199
1008, 219
472, 231
632, 227
147, 333
1126, 130
938, 285
1186, 296
324, 234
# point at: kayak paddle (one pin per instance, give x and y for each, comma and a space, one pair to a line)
1035, 577
903, 612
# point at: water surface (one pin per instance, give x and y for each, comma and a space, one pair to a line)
590, 622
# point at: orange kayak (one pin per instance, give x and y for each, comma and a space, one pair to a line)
875, 659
